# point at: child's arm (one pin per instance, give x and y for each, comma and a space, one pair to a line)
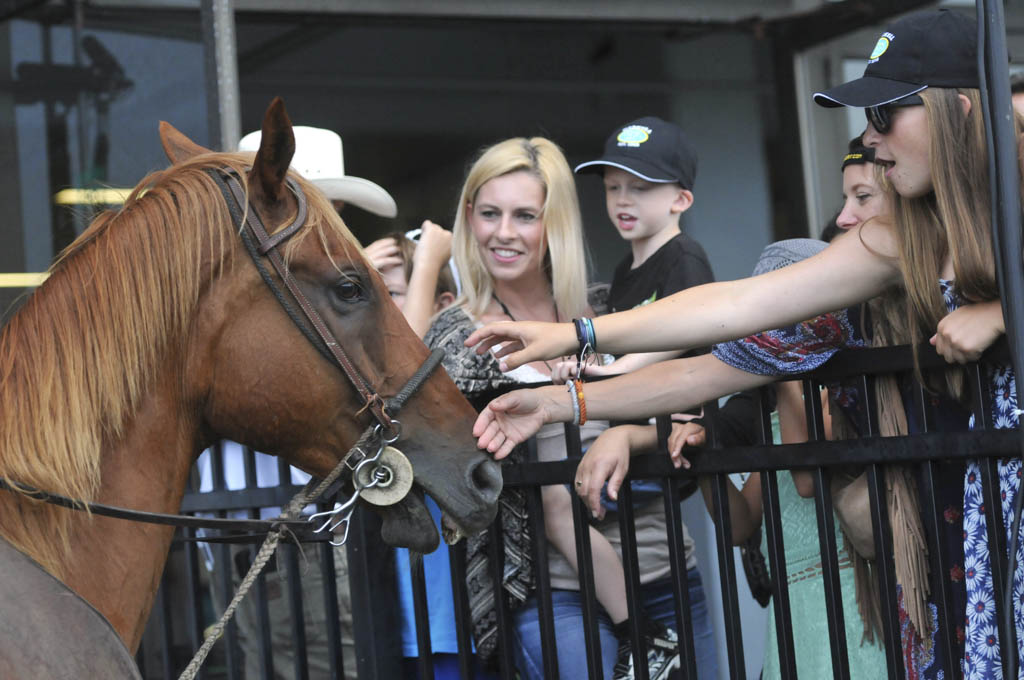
431, 254
565, 370
964, 333
852, 269
607, 460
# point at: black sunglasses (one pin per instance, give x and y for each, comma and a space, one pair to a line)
880, 116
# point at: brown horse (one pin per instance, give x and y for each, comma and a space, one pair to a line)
155, 336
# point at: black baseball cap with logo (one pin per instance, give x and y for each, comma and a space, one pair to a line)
650, 148
937, 48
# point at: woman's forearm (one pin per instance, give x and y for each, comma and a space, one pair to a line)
660, 389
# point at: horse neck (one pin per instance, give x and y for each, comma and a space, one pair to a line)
117, 564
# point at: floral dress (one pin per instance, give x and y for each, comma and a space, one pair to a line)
981, 653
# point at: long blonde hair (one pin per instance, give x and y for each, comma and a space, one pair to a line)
954, 219
565, 263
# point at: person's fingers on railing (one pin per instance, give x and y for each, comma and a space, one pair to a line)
617, 477
684, 434
607, 454
965, 333
591, 495
563, 371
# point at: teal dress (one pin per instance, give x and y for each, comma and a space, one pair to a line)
807, 598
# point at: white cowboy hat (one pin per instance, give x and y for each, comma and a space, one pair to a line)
320, 159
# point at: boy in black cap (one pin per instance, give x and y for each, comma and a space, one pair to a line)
649, 169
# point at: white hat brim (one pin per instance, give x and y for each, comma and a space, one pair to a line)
359, 192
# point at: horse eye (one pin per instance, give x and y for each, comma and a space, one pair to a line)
348, 290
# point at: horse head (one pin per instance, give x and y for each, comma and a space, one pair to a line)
257, 380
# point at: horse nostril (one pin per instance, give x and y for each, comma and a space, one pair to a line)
486, 479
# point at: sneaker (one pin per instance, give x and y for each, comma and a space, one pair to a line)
662, 654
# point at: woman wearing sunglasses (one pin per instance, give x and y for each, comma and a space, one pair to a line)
920, 92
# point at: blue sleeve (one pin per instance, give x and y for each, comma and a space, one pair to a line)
795, 349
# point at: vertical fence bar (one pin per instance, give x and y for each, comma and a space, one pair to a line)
726, 563
727, 573
289, 559
776, 550
545, 613
193, 592
885, 571
335, 656
585, 566
421, 609
677, 560
222, 572
166, 630
372, 588
940, 567
827, 540
460, 603
497, 560
631, 568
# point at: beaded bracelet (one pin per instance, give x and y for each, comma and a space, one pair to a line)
575, 402
579, 404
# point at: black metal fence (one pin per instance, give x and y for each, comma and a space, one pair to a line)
183, 609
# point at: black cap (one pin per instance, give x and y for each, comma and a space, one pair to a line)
650, 148
937, 48
857, 153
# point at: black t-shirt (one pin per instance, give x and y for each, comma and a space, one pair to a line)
679, 264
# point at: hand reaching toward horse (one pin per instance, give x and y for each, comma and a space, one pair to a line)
684, 434
524, 341
513, 418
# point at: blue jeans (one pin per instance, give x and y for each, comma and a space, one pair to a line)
656, 599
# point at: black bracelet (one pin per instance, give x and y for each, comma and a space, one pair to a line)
581, 332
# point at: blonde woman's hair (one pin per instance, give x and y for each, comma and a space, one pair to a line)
954, 219
565, 263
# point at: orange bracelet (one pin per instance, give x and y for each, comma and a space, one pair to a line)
583, 404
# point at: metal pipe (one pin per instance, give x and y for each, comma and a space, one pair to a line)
994, 81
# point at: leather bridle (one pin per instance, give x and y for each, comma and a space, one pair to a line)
259, 244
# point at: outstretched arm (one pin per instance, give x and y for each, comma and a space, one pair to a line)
856, 267
668, 387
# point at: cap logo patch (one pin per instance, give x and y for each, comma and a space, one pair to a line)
880, 47
633, 135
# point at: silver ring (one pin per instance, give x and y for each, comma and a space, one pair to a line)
578, 483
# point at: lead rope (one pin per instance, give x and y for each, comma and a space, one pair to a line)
267, 550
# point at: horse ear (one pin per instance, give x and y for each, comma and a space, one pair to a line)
176, 145
277, 146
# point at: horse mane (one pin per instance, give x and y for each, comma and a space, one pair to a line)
79, 357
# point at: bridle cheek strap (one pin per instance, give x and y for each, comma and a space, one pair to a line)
267, 245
